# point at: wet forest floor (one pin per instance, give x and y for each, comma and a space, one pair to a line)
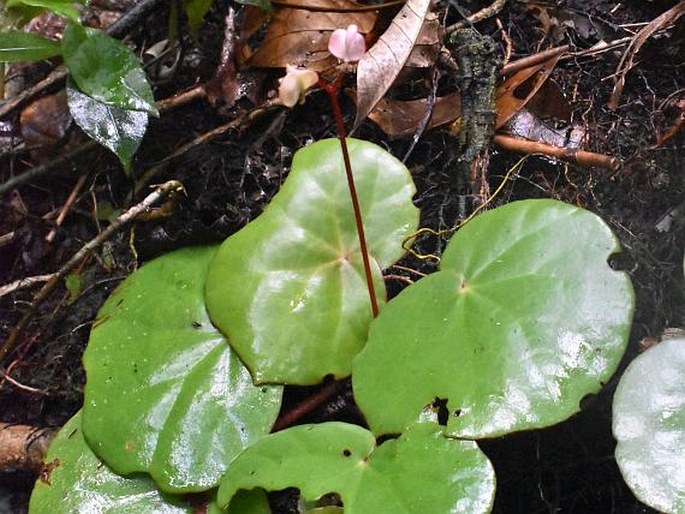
230, 177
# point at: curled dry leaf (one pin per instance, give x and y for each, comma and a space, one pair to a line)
520, 88
299, 36
379, 67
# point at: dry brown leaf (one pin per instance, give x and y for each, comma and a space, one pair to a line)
44, 123
400, 118
518, 89
428, 43
300, 37
379, 67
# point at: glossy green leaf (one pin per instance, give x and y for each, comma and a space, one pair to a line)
649, 425
17, 46
421, 472
106, 70
524, 319
165, 394
289, 289
77, 482
117, 129
66, 8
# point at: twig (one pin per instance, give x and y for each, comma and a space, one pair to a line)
581, 157
23, 283
133, 17
196, 93
43, 169
533, 60
160, 193
150, 173
6, 238
308, 405
54, 79
484, 13
626, 62
68, 204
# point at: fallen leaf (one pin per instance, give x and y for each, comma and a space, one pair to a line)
520, 88
428, 43
379, 67
300, 37
400, 118
44, 123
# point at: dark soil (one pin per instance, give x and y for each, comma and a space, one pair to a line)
567, 468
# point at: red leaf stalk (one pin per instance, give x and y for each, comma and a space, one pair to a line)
333, 90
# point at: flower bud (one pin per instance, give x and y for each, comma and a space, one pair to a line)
347, 44
294, 85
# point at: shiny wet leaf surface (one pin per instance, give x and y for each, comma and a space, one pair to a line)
165, 394
649, 425
421, 472
524, 319
79, 483
289, 289
117, 129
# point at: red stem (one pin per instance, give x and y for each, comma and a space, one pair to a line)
333, 90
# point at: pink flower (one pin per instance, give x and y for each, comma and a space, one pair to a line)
294, 85
347, 44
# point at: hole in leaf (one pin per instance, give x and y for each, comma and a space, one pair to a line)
329, 499
621, 262
285, 500
346, 452
440, 406
385, 437
457, 413
197, 324
587, 401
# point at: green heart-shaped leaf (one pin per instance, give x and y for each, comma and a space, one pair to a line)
649, 425
75, 481
422, 471
524, 319
289, 290
165, 394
